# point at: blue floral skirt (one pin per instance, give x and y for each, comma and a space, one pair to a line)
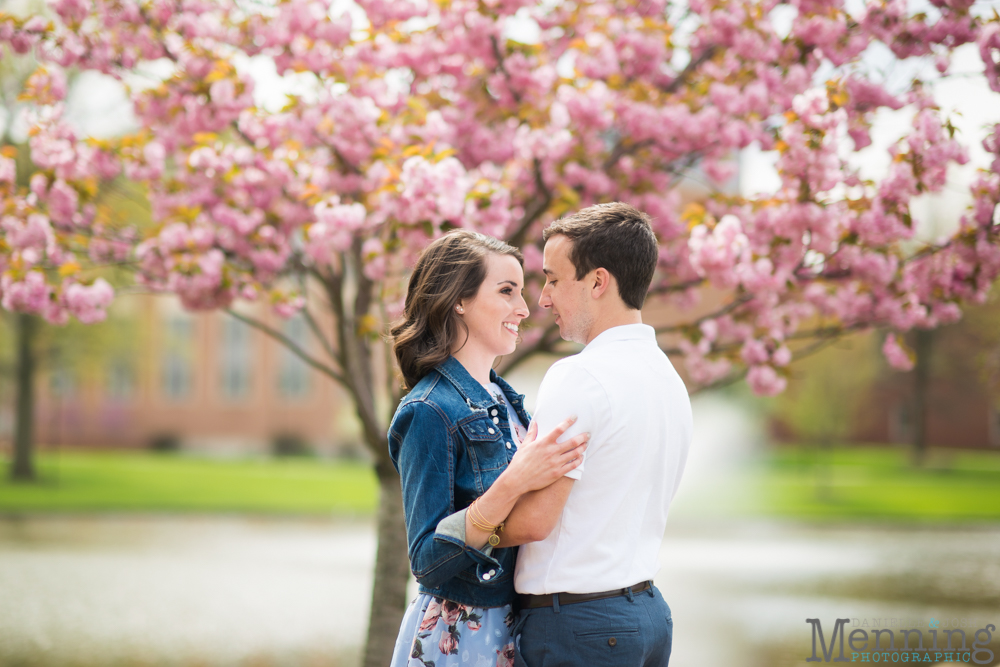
442, 633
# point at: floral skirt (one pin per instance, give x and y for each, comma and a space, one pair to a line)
442, 633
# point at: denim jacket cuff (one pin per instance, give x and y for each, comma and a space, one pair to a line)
452, 529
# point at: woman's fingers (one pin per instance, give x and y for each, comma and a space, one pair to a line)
532, 431
574, 443
554, 434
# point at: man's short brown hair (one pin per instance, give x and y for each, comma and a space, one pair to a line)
616, 237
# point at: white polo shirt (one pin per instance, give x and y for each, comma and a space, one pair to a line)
626, 393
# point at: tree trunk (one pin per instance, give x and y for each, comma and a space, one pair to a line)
921, 384
392, 570
22, 468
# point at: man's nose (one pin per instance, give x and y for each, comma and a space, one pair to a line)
544, 301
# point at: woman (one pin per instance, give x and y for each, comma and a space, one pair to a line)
453, 441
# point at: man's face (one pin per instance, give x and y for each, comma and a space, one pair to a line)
568, 297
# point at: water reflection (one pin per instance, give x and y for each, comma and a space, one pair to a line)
741, 592
234, 591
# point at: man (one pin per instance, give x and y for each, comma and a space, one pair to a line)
591, 541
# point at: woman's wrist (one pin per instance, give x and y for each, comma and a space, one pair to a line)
509, 486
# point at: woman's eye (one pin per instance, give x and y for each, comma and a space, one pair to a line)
506, 290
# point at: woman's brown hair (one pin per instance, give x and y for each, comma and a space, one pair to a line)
449, 270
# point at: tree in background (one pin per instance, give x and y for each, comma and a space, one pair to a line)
825, 405
404, 119
36, 346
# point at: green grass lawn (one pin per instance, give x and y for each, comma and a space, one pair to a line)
845, 483
118, 481
866, 483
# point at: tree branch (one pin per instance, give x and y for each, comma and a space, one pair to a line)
535, 210
294, 347
695, 63
522, 354
728, 308
677, 287
503, 69
620, 151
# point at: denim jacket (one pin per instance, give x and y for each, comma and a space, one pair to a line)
450, 440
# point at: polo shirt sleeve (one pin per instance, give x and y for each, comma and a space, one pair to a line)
569, 390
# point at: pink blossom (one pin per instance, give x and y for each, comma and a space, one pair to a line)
88, 303
400, 131
30, 295
898, 356
714, 253
290, 306
46, 85
373, 255
765, 381
63, 202
989, 49
35, 232
754, 352
8, 170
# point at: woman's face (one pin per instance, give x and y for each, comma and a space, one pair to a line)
494, 315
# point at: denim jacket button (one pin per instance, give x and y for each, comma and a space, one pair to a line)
486, 577
496, 420
493, 412
508, 445
491, 431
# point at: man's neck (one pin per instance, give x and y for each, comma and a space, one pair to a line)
612, 320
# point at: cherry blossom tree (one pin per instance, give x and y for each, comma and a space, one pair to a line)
406, 118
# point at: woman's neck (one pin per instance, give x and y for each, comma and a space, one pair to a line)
476, 363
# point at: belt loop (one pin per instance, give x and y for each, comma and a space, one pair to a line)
555, 603
650, 589
628, 594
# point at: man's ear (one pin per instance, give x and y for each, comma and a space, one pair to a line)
600, 282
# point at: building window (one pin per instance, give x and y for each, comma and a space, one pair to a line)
62, 384
177, 368
234, 354
293, 373
120, 380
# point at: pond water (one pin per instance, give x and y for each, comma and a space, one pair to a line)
239, 591
220, 591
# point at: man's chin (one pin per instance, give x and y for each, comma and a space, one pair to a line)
568, 336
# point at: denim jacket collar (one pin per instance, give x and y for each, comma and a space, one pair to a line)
474, 393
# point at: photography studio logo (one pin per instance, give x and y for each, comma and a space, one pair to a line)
866, 644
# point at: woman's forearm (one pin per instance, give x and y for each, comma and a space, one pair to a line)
493, 507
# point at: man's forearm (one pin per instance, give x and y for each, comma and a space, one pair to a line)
535, 514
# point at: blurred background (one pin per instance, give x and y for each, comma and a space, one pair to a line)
202, 500
202, 496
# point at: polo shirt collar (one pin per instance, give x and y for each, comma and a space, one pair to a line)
623, 332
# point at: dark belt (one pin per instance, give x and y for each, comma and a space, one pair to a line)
536, 601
